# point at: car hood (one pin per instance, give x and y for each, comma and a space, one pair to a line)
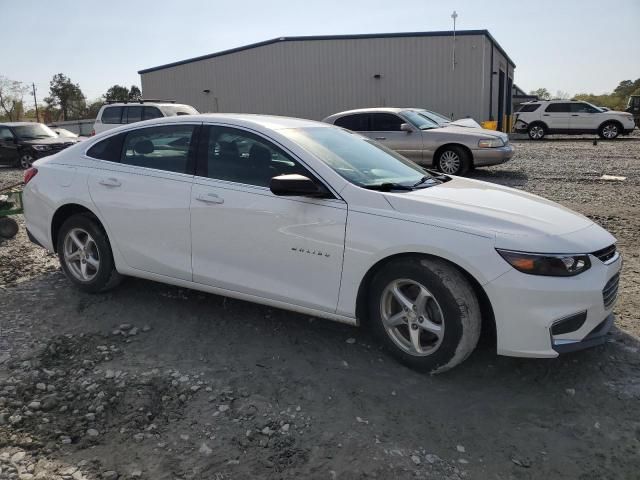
49, 141
517, 220
470, 132
466, 122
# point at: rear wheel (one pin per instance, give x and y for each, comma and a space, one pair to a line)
453, 160
425, 312
536, 131
8, 227
609, 130
85, 254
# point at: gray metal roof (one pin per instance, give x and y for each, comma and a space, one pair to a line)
445, 33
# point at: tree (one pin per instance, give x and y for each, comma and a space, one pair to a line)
11, 95
562, 95
65, 98
541, 93
118, 93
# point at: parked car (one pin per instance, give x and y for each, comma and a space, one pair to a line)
312, 218
547, 117
21, 143
443, 120
452, 149
113, 115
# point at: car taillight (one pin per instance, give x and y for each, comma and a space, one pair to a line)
93, 132
29, 173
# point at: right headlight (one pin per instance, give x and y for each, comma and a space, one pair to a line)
546, 264
490, 143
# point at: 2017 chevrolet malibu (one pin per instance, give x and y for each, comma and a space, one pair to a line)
312, 218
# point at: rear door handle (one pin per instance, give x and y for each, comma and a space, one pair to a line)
380, 138
574, 115
209, 198
110, 182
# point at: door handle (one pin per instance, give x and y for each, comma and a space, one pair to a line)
574, 115
545, 114
380, 138
110, 182
210, 198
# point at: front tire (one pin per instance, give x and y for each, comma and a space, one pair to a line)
609, 130
8, 227
453, 160
425, 312
536, 131
85, 254
26, 160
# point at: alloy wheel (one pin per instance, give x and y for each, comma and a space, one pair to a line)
26, 161
536, 132
449, 162
412, 317
610, 131
81, 255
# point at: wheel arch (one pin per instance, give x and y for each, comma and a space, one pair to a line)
488, 328
440, 149
538, 122
62, 214
612, 120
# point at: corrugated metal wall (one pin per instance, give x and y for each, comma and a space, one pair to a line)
315, 78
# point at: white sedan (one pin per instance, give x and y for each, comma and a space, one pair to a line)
308, 217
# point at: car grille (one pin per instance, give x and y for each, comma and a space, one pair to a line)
610, 291
606, 253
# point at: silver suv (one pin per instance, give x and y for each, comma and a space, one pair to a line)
452, 147
114, 114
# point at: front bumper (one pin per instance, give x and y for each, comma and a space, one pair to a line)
492, 156
526, 307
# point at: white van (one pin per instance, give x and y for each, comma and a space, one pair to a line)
114, 114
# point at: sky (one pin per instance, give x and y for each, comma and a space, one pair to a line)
573, 46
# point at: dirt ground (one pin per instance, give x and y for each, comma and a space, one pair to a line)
155, 382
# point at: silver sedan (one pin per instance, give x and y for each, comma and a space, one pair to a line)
453, 147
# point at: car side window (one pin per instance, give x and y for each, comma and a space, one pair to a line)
112, 115
162, 148
358, 122
558, 108
239, 156
151, 112
6, 134
582, 108
385, 122
109, 149
134, 114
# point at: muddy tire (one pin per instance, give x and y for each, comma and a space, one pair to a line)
425, 313
8, 227
85, 254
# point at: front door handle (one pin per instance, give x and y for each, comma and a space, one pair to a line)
209, 198
574, 115
110, 182
380, 138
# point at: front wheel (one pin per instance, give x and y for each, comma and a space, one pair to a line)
85, 254
26, 160
425, 312
609, 130
453, 161
8, 227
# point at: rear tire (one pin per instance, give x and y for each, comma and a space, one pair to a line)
425, 313
536, 131
8, 227
453, 160
85, 254
609, 130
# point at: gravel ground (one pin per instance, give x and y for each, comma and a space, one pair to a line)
147, 381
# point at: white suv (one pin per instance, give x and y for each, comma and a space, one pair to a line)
113, 115
541, 118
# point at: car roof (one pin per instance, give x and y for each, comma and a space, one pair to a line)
376, 110
142, 104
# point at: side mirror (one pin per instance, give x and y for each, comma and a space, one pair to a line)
298, 186
405, 127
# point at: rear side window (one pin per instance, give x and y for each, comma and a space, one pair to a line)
358, 122
112, 115
558, 107
109, 149
163, 148
385, 122
134, 114
530, 107
151, 112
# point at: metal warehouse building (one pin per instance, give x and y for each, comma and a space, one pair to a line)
463, 75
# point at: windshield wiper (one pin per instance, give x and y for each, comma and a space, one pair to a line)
387, 187
424, 179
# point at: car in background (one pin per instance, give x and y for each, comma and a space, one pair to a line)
452, 149
309, 217
21, 143
115, 114
570, 117
443, 121
64, 133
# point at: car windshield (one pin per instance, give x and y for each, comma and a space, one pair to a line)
63, 132
360, 160
171, 110
435, 117
34, 131
419, 121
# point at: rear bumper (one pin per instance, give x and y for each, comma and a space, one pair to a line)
492, 156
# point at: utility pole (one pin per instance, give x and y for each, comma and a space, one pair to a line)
35, 102
454, 15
